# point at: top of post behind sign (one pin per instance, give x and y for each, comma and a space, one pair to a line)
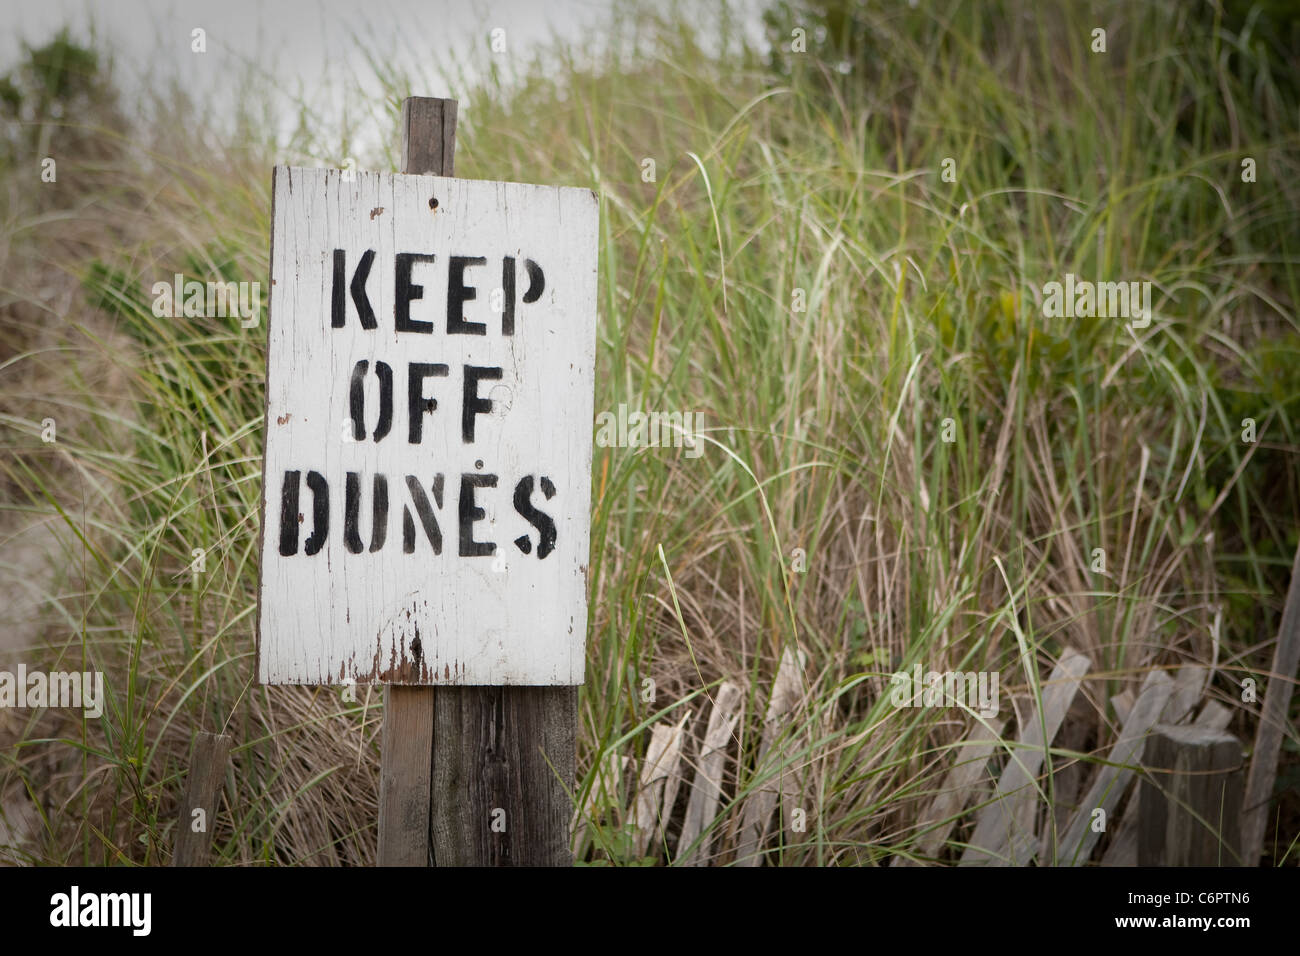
428, 136
426, 485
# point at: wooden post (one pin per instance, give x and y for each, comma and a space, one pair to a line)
428, 148
1272, 723
1190, 807
472, 776
503, 768
194, 829
404, 776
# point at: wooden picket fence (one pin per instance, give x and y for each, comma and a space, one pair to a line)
994, 781
666, 766
1009, 826
1181, 773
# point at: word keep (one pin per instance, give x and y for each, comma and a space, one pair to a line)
407, 291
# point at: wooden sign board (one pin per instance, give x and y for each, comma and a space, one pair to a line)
426, 484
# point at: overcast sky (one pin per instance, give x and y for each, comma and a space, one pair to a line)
309, 49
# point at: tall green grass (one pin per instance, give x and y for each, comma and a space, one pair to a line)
823, 427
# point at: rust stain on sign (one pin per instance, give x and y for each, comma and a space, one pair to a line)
407, 663
404, 666
377, 211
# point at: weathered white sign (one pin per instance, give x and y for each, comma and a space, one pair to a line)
427, 476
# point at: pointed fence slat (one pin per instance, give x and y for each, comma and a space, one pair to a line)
1214, 716
1004, 830
1189, 687
970, 768
207, 775
787, 690
706, 791
1077, 844
659, 779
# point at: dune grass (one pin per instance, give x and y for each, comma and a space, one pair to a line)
828, 512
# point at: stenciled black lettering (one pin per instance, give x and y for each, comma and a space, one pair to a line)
471, 404
338, 294
360, 298
470, 512
357, 400
458, 294
536, 281
385, 375
378, 513
406, 291
508, 294
427, 519
320, 512
289, 513
538, 519
417, 405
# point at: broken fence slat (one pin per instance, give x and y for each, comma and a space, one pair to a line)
1004, 830
1077, 844
1189, 688
787, 688
1123, 845
657, 770
1123, 704
706, 791
198, 814
970, 766
1214, 716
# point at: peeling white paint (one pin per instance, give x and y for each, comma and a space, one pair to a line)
336, 616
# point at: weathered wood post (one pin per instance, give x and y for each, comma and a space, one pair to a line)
503, 768
427, 483
1272, 723
1190, 803
503, 758
429, 148
194, 828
